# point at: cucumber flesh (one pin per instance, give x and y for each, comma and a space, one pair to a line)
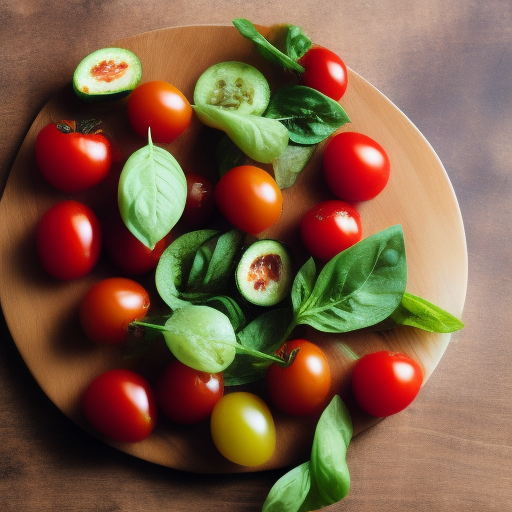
264, 273
107, 74
235, 86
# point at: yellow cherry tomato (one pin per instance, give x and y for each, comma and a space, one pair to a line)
243, 429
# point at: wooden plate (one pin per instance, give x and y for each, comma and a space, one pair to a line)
42, 313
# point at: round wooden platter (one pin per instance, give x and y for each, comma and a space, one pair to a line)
42, 313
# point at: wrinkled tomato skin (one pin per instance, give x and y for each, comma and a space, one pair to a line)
249, 198
160, 106
120, 404
355, 167
330, 227
68, 240
303, 387
187, 396
72, 162
385, 383
109, 306
325, 72
200, 202
130, 256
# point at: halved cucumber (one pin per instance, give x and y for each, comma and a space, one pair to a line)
233, 86
107, 74
264, 273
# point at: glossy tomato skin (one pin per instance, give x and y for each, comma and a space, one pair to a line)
72, 161
130, 256
303, 387
249, 198
325, 72
68, 240
109, 306
330, 227
162, 107
200, 202
243, 429
356, 168
385, 383
188, 396
121, 405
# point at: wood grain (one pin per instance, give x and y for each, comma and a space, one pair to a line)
451, 74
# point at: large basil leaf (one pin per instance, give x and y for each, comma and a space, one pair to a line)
266, 49
309, 115
359, 287
152, 193
422, 314
260, 138
325, 478
303, 284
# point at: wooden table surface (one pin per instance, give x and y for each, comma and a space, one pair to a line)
448, 66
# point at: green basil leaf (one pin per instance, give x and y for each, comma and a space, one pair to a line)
297, 43
324, 479
266, 49
201, 337
230, 308
291, 163
260, 138
303, 285
290, 491
175, 263
330, 477
152, 193
265, 332
359, 287
420, 313
309, 115
245, 369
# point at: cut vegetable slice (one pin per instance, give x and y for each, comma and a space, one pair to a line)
107, 74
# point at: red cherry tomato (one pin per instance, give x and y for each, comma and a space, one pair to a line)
303, 387
68, 240
330, 227
249, 198
356, 168
200, 201
109, 307
121, 405
384, 383
71, 157
162, 107
325, 72
186, 395
126, 251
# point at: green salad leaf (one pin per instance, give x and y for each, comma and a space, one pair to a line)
309, 115
151, 194
260, 138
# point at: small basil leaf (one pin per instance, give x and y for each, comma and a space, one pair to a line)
291, 163
265, 332
175, 263
309, 115
303, 285
152, 193
290, 491
229, 307
420, 313
245, 369
297, 43
328, 466
360, 286
266, 49
201, 337
260, 138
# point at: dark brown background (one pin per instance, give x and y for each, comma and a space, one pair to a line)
448, 66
